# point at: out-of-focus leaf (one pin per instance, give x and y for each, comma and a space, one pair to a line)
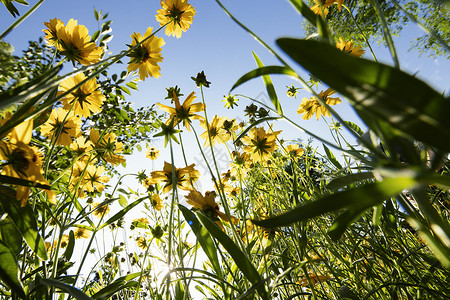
363, 196
113, 288
74, 292
10, 235
70, 245
269, 87
24, 219
331, 157
354, 127
349, 179
403, 101
241, 260
203, 238
9, 270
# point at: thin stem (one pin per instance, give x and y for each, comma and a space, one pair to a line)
21, 19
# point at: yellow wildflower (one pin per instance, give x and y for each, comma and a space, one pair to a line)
102, 210
184, 177
259, 143
183, 113
74, 42
349, 48
179, 13
23, 161
312, 106
51, 31
88, 99
81, 233
108, 146
62, 125
147, 55
295, 150
152, 153
157, 202
216, 131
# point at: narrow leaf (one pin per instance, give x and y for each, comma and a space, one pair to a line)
269, 87
264, 71
241, 260
405, 102
74, 292
364, 196
331, 157
349, 179
9, 270
123, 212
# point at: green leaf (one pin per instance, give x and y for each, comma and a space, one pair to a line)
24, 219
10, 235
203, 238
95, 36
347, 180
331, 157
241, 260
269, 87
74, 292
9, 270
264, 71
132, 85
123, 212
70, 245
112, 288
363, 196
343, 221
123, 201
354, 127
403, 101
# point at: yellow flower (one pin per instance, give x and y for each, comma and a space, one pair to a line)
349, 47
23, 161
230, 101
157, 202
147, 55
183, 113
108, 146
64, 123
240, 164
64, 241
74, 42
142, 220
313, 277
295, 150
152, 153
216, 131
179, 13
311, 106
318, 10
51, 32
81, 233
142, 242
308, 108
81, 146
93, 179
208, 206
184, 177
232, 190
102, 210
331, 2
88, 100
259, 143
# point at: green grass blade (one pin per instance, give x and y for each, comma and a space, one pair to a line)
241, 260
24, 219
331, 157
343, 181
265, 70
9, 270
123, 212
72, 291
364, 196
269, 87
203, 238
405, 102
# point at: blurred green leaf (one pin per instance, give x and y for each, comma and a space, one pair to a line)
11, 8
24, 219
203, 238
360, 197
10, 235
269, 86
9, 270
114, 287
400, 99
241, 260
346, 180
331, 157
70, 246
72, 291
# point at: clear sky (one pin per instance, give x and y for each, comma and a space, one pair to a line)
216, 45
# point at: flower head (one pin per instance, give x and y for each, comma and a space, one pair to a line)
294, 150
312, 106
86, 99
200, 80
216, 132
179, 13
81, 233
292, 91
350, 48
184, 177
99, 211
208, 206
23, 161
157, 202
259, 143
108, 146
152, 153
183, 113
147, 55
73, 41
62, 125
230, 101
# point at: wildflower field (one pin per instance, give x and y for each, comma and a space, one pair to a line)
361, 213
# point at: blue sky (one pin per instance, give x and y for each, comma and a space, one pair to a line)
216, 45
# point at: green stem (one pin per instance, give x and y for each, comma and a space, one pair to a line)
21, 19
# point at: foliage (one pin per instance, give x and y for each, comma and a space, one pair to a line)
365, 215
